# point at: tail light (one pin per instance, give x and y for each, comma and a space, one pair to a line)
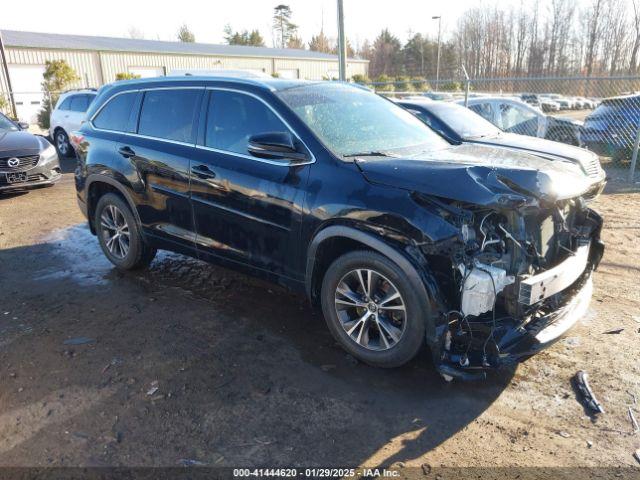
76, 138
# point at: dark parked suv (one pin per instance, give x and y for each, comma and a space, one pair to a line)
483, 254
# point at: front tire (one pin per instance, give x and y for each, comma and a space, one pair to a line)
372, 310
119, 234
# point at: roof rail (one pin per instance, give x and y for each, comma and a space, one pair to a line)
84, 89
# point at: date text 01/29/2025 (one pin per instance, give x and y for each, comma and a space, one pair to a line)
316, 472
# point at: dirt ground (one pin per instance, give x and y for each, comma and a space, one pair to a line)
193, 362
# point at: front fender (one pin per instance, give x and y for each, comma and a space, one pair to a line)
406, 256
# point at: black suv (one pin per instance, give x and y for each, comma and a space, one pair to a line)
484, 254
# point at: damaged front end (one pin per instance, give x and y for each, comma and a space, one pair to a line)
520, 277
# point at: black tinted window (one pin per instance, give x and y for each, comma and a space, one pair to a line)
115, 114
234, 117
79, 103
169, 114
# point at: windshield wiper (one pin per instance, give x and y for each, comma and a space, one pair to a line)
369, 154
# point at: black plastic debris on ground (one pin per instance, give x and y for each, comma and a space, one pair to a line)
585, 394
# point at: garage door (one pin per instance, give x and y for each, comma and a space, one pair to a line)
26, 81
147, 72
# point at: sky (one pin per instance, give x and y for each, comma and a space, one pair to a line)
161, 20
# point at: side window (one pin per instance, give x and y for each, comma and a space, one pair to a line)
115, 114
79, 103
169, 114
484, 110
65, 104
514, 119
234, 117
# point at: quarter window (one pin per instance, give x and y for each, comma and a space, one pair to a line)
234, 117
115, 114
169, 114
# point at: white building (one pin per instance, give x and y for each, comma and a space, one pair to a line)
97, 60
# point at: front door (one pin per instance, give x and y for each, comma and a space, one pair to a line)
246, 209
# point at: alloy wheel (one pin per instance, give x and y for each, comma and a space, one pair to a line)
62, 143
115, 231
370, 309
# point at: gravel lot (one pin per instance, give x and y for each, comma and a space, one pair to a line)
191, 361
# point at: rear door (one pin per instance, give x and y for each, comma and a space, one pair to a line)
246, 209
161, 151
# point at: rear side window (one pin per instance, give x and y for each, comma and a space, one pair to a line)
79, 103
65, 104
234, 117
169, 114
115, 114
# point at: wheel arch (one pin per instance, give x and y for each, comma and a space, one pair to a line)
421, 279
97, 186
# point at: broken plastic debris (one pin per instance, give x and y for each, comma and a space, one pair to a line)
189, 462
615, 331
634, 422
79, 341
581, 380
153, 389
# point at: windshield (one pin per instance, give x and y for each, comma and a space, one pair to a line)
350, 120
465, 122
6, 124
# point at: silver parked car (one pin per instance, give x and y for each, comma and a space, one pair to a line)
67, 116
515, 116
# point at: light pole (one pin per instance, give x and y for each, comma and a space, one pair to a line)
439, 18
5, 69
342, 44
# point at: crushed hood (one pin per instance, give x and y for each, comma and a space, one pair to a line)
479, 175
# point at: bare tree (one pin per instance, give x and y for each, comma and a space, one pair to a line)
594, 33
633, 61
135, 32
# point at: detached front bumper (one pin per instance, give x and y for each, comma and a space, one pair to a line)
515, 340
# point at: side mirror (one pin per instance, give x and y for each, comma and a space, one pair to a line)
23, 125
276, 146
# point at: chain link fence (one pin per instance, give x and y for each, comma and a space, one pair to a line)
598, 113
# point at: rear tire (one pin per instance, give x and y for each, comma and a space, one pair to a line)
119, 234
62, 143
372, 310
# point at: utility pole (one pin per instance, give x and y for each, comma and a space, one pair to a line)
5, 69
342, 44
439, 18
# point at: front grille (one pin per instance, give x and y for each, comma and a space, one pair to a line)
24, 163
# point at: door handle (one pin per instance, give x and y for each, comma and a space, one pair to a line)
203, 171
126, 152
